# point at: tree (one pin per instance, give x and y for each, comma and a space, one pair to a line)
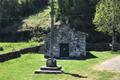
8, 10
80, 13
107, 18
15, 10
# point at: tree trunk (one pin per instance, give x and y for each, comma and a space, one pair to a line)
0, 17
0, 21
114, 41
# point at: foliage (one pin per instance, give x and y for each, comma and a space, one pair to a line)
40, 19
12, 10
107, 16
21, 15
39, 34
80, 13
24, 14
23, 68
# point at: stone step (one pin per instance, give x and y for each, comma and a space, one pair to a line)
51, 68
48, 71
64, 58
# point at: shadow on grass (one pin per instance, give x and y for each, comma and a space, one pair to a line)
88, 56
75, 75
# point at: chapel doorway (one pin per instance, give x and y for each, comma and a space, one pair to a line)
64, 50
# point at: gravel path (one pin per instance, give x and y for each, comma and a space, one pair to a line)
110, 65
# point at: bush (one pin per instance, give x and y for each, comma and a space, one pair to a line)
1, 49
39, 34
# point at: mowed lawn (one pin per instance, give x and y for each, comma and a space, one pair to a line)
16, 46
23, 68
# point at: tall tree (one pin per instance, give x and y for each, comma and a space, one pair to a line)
107, 18
15, 10
80, 13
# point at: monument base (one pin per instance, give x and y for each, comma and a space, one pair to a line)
51, 67
49, 70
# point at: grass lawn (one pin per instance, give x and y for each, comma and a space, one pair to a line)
16, 46
23, 68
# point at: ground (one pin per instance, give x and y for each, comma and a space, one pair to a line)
110, 65
23, 68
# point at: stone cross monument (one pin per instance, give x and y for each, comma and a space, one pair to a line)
51, 64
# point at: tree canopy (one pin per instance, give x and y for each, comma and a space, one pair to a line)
79, 12
107, 16
17, 13
12, 10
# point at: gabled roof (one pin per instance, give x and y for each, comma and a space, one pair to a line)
58, 26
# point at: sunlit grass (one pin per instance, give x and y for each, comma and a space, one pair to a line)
23, 68
7, 47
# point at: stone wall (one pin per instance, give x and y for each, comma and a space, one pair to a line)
63, 34
9, 55
16, 54
101, 46
40, 49
36, 49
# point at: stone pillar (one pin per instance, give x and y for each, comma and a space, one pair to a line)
51, 63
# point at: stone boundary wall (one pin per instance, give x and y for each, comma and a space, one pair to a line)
16, 54
36, 49
40, 49
9, 55
100, 46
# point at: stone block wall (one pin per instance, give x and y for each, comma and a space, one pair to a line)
100, 46
63, 34
9, 55
18, 53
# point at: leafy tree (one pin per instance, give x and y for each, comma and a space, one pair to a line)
15, 10
79, 12
107, 18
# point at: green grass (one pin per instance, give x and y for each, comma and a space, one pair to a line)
16, 46
23, 68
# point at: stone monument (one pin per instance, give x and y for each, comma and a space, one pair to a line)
51, 63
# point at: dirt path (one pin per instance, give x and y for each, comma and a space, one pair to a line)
110, 65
